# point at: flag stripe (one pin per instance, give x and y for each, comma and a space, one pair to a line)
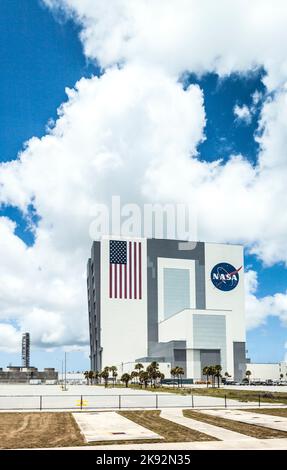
125, 268
130, 270
135, 270
111, 282
120, 268
116, 280
140, 270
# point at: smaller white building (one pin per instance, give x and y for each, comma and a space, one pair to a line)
268, 371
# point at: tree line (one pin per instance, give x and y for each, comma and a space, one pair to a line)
139, 376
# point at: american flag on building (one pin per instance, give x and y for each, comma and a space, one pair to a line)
125, 273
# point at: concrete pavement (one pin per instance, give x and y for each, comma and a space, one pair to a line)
248, 444
111, 426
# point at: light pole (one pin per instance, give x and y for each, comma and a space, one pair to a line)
65, 386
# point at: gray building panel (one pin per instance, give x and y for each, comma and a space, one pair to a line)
177, 250
209, 357
171, 351
200, 284
176, 288
94, 302
209, 333
239, 358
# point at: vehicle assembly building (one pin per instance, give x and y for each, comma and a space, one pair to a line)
175, 302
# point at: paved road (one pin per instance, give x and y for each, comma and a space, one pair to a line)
29, 397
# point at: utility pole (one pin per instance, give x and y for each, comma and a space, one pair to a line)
65, 388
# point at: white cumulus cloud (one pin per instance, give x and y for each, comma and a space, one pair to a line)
257, 309
243, 113
10, 338
201, 36
106, 137
134, 132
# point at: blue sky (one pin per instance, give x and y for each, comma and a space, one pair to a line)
39, 58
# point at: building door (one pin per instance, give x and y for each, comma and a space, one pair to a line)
209, 357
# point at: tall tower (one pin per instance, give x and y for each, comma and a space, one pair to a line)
26, 350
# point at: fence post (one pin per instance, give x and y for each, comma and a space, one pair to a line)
192, 400
120, 403
81, 402
156, 401
259, 400
40, 402
225, 402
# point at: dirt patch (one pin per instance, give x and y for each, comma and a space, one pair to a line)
251, 430
171, 432
29, 430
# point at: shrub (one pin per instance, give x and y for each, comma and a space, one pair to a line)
267, 395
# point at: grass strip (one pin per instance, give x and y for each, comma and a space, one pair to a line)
171, 432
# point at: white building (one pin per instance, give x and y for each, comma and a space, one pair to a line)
179, 303
267, 371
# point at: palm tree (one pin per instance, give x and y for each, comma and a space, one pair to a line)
86, 375
248, 373
153, 371
139, 367
212, 372
162, 377
114, 371
105, 375
144, 378
173, 373
134, 374
141, 381
154, 364
96, 376
180, 373
91, 375
126, 378
206, 371
217, 374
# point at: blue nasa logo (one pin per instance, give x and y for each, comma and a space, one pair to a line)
224, 276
